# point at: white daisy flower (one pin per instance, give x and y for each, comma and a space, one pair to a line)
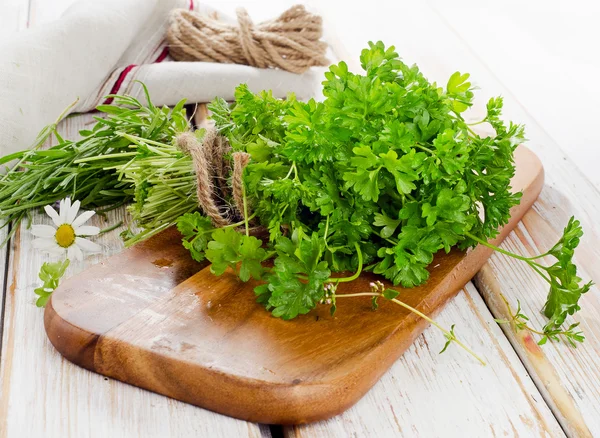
66, 235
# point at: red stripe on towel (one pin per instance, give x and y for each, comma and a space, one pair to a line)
162, 55
117, 85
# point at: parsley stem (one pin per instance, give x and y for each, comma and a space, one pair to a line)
356, 274
245, 202
292, 169
238, 224
326, 233
513, 318
420, 146
418, 313
529, 260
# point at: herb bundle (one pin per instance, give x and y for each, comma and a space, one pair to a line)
380, 176
84, 169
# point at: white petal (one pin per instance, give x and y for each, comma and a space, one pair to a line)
74, 253
65, 206
87, 245
72, 213
53, 215
43, 230
86, 230
44, 244
82, 219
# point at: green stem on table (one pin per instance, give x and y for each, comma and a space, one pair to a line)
529, 260
449, 335
514, 318
113, 227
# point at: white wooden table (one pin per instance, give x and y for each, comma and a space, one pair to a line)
538, 55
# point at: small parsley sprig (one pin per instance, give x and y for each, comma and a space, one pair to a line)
566, 288
378, 290
520, 322
50, 274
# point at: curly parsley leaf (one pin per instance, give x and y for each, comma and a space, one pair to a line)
50, 274
195, 230
296, 283
230, 249
566, 287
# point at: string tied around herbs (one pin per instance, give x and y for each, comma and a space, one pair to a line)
290, 42
209, 158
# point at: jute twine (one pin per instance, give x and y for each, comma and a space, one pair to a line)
290, 42
212, 169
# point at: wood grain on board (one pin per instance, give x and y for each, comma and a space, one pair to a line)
42, 394
143, 318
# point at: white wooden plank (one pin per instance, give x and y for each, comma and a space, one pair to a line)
14, 15
44, 11
432, 395
568, 378
3, 265
45, 395
545, 52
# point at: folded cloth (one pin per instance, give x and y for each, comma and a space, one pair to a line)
102, 47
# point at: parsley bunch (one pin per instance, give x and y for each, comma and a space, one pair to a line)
379, 176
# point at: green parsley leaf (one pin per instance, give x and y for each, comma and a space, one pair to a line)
228, 249
50, 274
195, 230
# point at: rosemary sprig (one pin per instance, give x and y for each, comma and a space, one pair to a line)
85, 169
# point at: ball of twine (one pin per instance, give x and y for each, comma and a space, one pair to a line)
290, 42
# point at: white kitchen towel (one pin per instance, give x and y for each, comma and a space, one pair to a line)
102, 47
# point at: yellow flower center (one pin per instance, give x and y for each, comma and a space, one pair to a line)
65, 235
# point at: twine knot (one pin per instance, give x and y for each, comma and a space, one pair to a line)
290, 42
210, 162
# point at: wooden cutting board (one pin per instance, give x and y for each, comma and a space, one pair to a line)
152, 317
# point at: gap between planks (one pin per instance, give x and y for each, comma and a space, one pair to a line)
6, 255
